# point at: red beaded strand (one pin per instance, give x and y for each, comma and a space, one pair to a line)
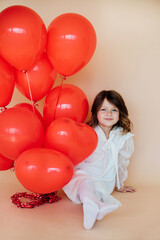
37, 199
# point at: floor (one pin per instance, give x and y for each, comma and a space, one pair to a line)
137, 219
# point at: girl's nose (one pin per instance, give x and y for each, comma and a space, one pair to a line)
109, 113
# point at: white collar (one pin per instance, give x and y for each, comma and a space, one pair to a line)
113, 132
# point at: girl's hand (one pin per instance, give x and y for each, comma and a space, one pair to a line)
126, 189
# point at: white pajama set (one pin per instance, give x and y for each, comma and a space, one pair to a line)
104, 169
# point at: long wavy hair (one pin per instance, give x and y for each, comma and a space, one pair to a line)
115, 99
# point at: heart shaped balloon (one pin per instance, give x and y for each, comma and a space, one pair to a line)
43, 170
76, 140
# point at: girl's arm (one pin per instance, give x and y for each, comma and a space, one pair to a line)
123, 161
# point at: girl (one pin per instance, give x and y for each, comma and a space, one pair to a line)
106, 168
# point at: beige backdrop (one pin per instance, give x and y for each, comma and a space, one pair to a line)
127, 59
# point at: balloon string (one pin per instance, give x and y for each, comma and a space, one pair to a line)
30, 93
62, 79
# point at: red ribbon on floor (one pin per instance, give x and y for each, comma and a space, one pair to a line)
35, 199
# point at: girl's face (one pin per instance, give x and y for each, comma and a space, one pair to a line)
108, 115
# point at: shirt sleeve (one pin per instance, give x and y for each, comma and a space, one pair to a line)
123, 160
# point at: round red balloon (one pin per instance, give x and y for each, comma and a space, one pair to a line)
76, 140
20, 129
66, 101
5, 163
23, 36
35, 111
71, 43
7, 82
36, 83
42, 170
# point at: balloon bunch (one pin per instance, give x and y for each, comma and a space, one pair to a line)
44, 149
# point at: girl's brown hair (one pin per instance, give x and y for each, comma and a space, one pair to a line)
114, 98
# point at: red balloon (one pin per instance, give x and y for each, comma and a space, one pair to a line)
42, 170
76, 140
23, 36
71, 43
36, 83
35, 111
5, 163
20, 129
72, 103
7, 82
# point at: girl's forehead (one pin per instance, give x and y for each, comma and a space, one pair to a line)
107, 104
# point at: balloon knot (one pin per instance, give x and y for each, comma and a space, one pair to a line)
63, 78
12, 169
36, 105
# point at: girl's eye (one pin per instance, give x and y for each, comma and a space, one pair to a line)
114, 110
103, 109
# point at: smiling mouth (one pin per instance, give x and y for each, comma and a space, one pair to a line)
108, 119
